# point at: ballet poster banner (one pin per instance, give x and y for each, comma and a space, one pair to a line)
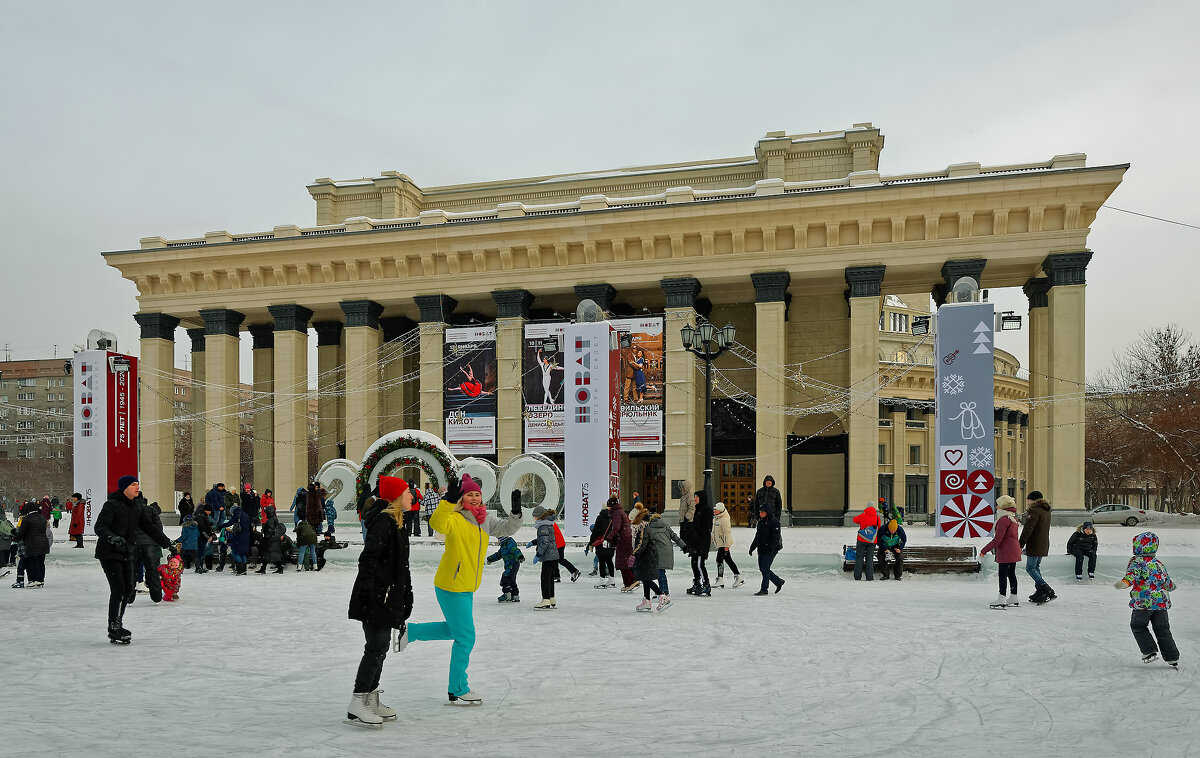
469, 389
542, 387
643, 401
965, 442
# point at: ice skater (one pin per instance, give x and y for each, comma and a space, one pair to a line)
119, 519
645, 566
1035, 539
463, 520
171, 577
1150, 600
382, 597
722, 538
513, 558
547, 554
1007, 550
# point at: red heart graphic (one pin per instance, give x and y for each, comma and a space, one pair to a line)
953, 457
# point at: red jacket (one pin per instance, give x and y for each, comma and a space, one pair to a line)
868, 518
77, 514
1004, 541
559, 541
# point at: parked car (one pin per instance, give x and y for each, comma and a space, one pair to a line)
1115, 513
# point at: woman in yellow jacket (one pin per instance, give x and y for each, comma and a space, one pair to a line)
464, 521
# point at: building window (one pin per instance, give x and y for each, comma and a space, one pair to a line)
25, 382
3, 398
883, 454
25, 396
914, 455
24, 425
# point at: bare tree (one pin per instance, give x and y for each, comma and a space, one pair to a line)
1145, 426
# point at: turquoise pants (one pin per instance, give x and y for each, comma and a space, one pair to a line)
458, 626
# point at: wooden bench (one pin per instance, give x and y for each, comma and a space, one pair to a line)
928, 559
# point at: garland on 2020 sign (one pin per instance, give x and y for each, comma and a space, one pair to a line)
402, 443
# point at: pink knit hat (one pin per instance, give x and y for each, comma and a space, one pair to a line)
469, 485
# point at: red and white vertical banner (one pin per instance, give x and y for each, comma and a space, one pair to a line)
106, 431
592, 422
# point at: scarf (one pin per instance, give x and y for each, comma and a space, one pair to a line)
478, 511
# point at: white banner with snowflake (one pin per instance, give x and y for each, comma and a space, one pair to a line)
965, 442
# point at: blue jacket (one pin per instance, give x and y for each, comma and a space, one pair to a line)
240, 541
509, 553
330, 514
215, 500
891, 541
190, 535
298, 506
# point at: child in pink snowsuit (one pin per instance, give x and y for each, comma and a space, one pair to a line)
171, 576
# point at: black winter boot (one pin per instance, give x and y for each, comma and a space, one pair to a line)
278, 568
221, 567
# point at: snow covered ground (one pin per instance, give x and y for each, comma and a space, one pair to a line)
828, 667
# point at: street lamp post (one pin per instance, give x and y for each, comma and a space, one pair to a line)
707, 342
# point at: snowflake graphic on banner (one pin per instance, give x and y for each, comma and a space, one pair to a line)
981, 457
953, 384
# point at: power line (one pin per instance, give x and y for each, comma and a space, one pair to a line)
1156, 218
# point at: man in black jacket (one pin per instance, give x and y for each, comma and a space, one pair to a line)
116, 526
1083, 544
32, 534
204, 533
767, 498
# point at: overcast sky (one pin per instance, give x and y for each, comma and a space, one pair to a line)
123, 120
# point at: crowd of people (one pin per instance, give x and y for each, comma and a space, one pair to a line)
244, 528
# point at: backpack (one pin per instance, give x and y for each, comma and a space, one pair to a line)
6, 528
49, 535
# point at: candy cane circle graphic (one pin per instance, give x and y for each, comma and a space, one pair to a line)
966, 516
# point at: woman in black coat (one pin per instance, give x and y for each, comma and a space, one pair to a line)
32, 535
381, 599
272, 542
767, 540
116, 525
699, 542
604, 554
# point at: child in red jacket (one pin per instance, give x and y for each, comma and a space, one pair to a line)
171, 576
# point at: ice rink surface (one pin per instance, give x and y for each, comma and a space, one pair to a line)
828, 667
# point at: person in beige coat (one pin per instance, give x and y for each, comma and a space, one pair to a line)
722, 540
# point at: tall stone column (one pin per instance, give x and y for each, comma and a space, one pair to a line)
262, 406
1065, 303
198, 485
156, 413
899, 455
362, 375
399, 382
866, 283
222, 402
770, 382
331, 396
291, 396
1038, 442
512, 311
684, 433
435, 312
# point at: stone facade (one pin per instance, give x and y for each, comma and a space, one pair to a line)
800, 246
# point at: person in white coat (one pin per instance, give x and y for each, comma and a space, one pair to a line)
722, 540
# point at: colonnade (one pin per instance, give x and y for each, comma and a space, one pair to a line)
358, 399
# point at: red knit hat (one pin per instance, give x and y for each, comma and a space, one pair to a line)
391, 488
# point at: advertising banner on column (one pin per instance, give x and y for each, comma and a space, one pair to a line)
106, 431
469, 389
965, 445
592, 418
641, 383
542, 387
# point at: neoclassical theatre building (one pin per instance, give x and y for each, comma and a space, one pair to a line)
820, 261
